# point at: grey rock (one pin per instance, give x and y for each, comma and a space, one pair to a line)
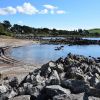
45, 70
22, 97
62, 97
93, 98
76, 86
56, 90
53, 79
60, 68
94, 80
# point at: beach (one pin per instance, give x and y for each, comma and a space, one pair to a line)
19, 69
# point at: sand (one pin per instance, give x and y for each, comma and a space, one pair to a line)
19, 70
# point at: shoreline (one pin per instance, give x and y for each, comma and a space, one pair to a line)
18, 70
15, 42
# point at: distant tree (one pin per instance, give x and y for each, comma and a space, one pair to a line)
1, 28
16, 28
27, 29
6, 24
80, 31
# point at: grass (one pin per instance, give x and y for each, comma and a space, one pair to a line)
96, 30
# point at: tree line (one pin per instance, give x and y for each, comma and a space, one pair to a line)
17, 30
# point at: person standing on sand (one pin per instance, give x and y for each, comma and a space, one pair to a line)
2, 52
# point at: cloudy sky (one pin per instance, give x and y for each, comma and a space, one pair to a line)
60, 14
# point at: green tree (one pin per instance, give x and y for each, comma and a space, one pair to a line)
6, 24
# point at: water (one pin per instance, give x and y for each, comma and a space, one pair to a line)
48, 38
92, 38
40, 54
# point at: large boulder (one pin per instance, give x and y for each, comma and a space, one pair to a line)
53, 79
76, 86
53, 90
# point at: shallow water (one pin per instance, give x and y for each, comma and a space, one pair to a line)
40, 54
92, 38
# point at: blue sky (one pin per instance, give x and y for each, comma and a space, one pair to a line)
60, 14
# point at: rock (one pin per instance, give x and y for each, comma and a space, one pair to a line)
93, 92
94, 80
21, 91
12, 94
80, 96
3, 89
45, 70
93, 98
13, 82
53, 90
52, 65
75, 73
56, 80
60, 68
53, 79
76, 86
22, 97
62, 97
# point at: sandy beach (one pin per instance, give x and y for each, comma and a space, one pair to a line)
15, 42
20, 69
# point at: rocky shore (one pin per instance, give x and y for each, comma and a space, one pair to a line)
72, 78
71, 41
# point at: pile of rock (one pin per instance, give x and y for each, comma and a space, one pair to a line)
73, 78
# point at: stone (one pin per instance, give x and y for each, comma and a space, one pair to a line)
60, 68
76, 86
13, 82
62, 97
3, 89
53, 79
53, 90
93, 98
12, 94
22, 97
94, 80
45, 70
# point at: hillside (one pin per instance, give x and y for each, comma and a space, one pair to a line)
96, 30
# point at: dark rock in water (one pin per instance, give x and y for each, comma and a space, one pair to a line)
53, 90
76, 86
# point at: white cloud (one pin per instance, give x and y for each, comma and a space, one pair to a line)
60, 12
51, 7
7, 10
45, 11
27, 8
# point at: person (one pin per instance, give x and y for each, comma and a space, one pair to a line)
2, 51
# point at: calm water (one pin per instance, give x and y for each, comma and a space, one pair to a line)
53, 38
39, 54
92, 38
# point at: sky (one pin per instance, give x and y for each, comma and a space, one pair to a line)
59, 14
